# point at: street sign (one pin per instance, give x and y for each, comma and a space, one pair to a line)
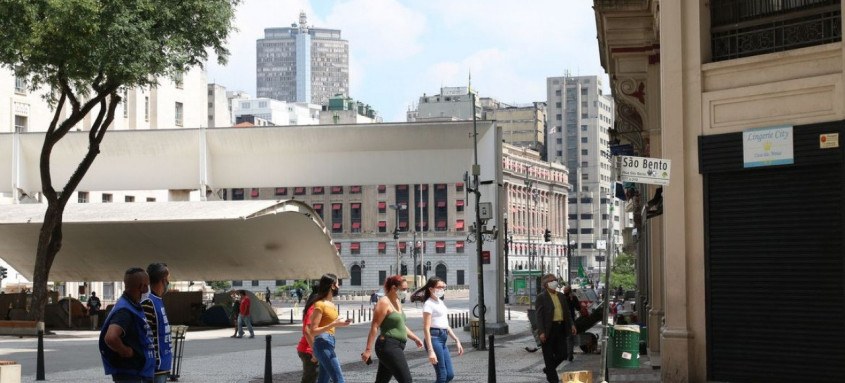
644, 170
601, 244
485, 210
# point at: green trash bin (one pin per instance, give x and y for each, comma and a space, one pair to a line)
624, 346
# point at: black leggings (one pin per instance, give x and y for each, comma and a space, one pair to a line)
391, 360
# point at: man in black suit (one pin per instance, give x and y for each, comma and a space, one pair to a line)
554, 323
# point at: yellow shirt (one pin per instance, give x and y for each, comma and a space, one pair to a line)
558, 315
329, 311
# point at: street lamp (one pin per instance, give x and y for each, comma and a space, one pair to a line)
396, 208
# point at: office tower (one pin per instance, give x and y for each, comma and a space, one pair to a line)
301, 63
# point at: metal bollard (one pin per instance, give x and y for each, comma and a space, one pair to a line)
491, 362
291, 316
39, 369
509, 313
268, 362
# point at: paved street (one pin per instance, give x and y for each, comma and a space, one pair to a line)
211, 356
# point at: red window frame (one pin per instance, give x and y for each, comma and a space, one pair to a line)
459, 225
382, 247
281, 191
318, 190
299, 190
459, 246
356, 189
337, 189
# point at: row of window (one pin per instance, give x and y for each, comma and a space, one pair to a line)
381, 247
83, 197
238, 193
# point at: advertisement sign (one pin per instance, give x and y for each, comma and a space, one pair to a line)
644, 170
767, 147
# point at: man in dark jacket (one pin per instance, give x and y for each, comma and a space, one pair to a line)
554, 324
126, 343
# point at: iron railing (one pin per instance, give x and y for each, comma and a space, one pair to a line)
742, 28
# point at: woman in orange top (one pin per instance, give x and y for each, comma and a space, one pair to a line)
324, 320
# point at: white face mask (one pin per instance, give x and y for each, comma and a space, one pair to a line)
439, 293
146, 295
402, 295
552, 285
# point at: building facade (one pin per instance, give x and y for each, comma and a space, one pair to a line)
523, 126
302, 64
279, 113
341, 109
219, 110
714, 86
579, 118
452, 103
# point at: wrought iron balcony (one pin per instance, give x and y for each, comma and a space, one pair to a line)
742, 28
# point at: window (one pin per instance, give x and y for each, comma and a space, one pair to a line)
557, 92
262, 104
459, 225
355, 217
460, 277
20, 84
584, 152
402, 247
299, 191
583, 128
281, 282
355, 248
459, 247
318, 207
281, 191
129, 198
317, 190
559, 141
82, 197
459, 205
237, 283
107, 197
588, 245
355, 189
382, 248
587, 216
147, 108
237, 194
440, 247
245, 105
459, 186
255, 282
20, 124
382, 189
558, 117
337, 189
585, 164
584, 140
179, 116
254, 193
151, 199
179, 79
382, 226
588, 230
382, 207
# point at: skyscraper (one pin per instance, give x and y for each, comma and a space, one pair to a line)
301, 63
578, 119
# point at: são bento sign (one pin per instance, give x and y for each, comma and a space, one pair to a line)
644, 170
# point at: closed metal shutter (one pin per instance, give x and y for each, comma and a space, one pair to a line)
775, 262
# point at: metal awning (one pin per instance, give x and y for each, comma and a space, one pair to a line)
221, 240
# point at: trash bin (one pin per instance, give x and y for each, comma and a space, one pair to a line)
177, 336
624, 346
473, 331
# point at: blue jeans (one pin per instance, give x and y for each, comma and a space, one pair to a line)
245, 319
443, 369
327, 359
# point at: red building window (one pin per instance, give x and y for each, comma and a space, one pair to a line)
337, 246
382, 189
382, 248
356, 227
459, 247
441, 204
337, 189
317, 190
336, 206
441, 247
441, 225
355, 189
403, 224
459, 205
382, 207
382, 226
459, 186
355, 248
299, 191
337, 227
402, 246
281, 191
254, 193
459, 225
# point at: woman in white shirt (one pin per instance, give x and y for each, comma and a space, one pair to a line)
436, 328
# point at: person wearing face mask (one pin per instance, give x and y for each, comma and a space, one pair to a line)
244, 316
153, 307
389, 321
554, 323
436, 327
324, 320
126, 339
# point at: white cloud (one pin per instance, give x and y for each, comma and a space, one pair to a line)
378, 30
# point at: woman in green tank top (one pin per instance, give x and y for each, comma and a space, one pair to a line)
389, 320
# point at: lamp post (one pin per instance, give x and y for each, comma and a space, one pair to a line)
396, 208
508, 241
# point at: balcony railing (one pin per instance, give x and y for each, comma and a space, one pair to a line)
742, 28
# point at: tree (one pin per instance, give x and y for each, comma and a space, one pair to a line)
83, 52
623, 272
219, 285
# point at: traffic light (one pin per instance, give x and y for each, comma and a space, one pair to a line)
3, 271
547, 236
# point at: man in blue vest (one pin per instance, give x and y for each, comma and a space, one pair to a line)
126, 344
157, 319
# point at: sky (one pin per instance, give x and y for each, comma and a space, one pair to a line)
402, 49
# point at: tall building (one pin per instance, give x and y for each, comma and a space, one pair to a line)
523, 126
219, 110
301, 63
578, 118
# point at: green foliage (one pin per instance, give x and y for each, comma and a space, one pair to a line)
623, 272
105, 44
286, 289
219, 285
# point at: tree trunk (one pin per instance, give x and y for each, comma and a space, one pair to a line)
49, 243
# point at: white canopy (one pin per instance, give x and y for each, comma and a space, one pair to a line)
242, 239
